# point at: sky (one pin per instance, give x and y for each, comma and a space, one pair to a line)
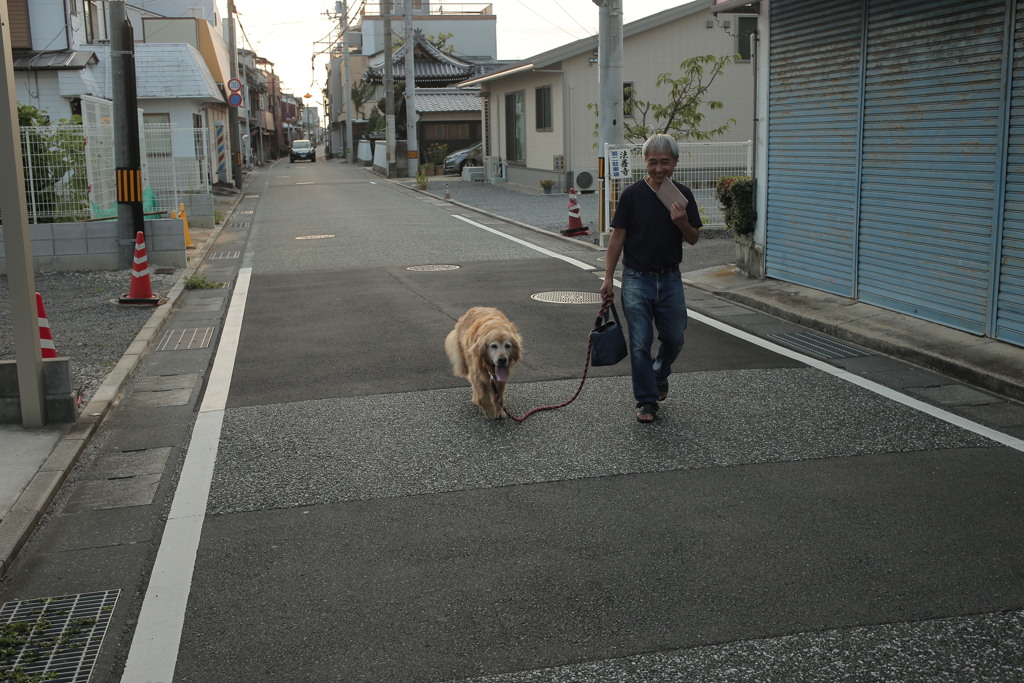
289, 32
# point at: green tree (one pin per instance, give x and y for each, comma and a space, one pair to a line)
54, 165
682, 114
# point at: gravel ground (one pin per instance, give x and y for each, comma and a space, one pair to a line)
87, 323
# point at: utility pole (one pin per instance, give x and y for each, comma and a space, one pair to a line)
350, 152
233, 127
389, 89
609, 111
609, 62
18, 245
127, 153
410, 93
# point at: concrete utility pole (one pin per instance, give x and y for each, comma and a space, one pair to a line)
389, 89
350, 152
234, 134
127, 154
18, 245
609, 63
410, 93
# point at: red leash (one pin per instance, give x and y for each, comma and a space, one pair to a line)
605, 305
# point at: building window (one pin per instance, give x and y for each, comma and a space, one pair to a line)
95, 21
515, 126
745, 26
543, 95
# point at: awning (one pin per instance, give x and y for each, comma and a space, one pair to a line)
54, 60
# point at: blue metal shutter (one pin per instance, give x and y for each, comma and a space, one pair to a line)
930, 157
813, 135
1009, 323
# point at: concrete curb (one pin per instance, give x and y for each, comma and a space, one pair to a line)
33, 502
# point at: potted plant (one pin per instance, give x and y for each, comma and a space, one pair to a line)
421, 178
547, 184
736, 195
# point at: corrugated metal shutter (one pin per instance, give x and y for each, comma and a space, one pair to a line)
814, 100
930, 157
1009, 323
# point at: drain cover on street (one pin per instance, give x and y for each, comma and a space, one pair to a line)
55, 639
432, 268
188, 338
219, 255
820, 345
313, 237
568, 297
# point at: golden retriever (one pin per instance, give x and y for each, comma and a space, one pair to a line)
484, 345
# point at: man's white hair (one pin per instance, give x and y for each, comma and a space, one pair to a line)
661, 143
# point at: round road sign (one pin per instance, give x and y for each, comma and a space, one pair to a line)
234, 85
235, 99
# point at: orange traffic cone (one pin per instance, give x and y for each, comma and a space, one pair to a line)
49, 350
184, 218
576, 226
140, 291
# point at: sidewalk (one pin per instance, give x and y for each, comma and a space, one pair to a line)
35, 464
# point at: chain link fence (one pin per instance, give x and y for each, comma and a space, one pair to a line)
700, 166
70, 174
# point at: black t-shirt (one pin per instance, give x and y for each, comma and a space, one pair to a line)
653, 242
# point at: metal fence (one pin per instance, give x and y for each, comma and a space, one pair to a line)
700, 166
70, 175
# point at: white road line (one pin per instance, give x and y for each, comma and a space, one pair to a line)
546, 252
874, 387
154, 651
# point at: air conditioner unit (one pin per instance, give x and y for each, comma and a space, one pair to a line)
585, 180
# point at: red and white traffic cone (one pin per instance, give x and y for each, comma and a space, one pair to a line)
49, 350
140, 291
576, 226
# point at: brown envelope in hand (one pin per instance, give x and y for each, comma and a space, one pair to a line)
669, 193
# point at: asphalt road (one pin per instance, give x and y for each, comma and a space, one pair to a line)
342, 512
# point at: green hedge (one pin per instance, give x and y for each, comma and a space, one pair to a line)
736, 194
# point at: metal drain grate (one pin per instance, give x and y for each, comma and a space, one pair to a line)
426, 268
222, 255
240, 225
56, 639
189, 338
820, 345
568, 297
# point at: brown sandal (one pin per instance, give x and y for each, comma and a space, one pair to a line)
647, 413
662, 392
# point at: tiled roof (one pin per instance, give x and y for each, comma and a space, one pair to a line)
446, 99
168, 71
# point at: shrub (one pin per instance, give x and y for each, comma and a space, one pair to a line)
736, 195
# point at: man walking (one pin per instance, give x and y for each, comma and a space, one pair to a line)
648, 232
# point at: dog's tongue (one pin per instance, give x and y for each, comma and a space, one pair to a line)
501, 374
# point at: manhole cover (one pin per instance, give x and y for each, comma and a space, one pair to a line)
568, 297
432, 268
313, 237
56, 639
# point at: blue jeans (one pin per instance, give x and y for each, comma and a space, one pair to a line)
648, 302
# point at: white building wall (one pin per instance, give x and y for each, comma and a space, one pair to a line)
47, 23
473, 36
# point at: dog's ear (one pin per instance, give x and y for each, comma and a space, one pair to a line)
517, 350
